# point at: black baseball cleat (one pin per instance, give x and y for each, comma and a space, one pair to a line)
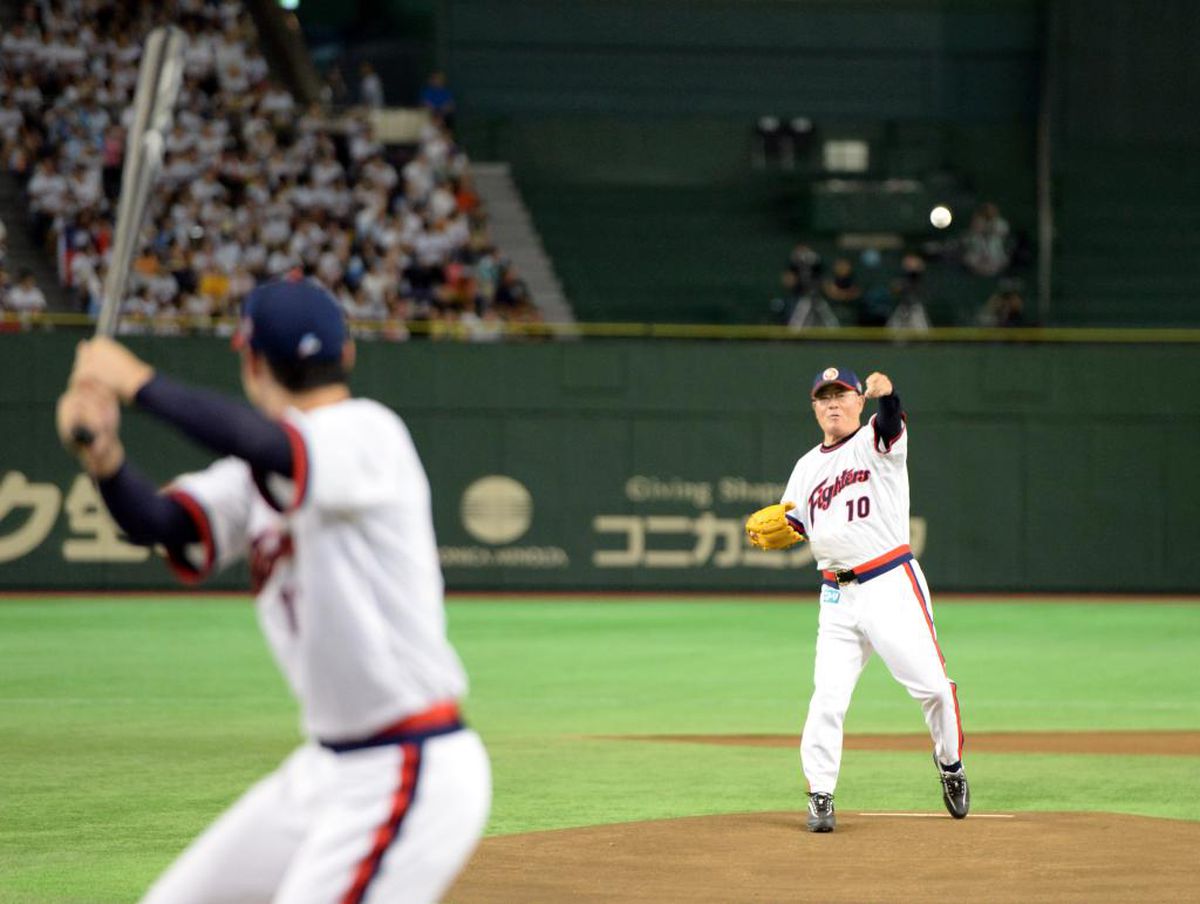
820, 812
956, 793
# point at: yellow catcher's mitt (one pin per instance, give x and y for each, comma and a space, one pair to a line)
769, 528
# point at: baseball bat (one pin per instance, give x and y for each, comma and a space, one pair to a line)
159, 78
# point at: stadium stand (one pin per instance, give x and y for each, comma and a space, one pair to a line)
983, 263
252, 188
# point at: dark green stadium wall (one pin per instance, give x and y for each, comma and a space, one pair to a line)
1127, 138
629, 125
877, 60
666, 92
1033, 467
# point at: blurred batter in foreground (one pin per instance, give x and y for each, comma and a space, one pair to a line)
326, 496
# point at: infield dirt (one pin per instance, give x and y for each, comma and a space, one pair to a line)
769, 858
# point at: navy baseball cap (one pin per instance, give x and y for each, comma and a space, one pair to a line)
292, 319
837, 376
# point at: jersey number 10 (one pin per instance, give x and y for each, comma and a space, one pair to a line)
861, 505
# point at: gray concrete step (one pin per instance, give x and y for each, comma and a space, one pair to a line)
515, 233
23, 250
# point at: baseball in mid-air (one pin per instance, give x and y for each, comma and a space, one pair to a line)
940, 216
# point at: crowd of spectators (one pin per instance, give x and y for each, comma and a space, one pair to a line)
252, 188
859, 290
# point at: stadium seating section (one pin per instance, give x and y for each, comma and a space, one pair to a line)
252, 187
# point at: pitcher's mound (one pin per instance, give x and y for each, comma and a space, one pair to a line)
769, 858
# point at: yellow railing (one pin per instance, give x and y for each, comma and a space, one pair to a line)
170, 326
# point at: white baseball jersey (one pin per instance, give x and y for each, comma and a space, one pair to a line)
852, 498
345, 566
390, 796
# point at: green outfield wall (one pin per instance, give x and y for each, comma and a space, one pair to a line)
627, 464
903, 59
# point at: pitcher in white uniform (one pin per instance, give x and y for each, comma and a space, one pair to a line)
326, 497
850, 498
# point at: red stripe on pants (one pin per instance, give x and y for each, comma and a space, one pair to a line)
916, 585
386, 833
957, 718
912, 577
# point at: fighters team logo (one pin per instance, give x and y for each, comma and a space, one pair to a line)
831, 373
822, 497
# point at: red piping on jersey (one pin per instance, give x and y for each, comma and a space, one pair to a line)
368, 867
183, 569
299, 465
299, 475
876, 566
920, 594
841, 442
887, 444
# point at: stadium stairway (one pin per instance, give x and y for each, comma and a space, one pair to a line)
513, 231
23, 251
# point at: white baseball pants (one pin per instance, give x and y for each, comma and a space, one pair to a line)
394, 824
891, 614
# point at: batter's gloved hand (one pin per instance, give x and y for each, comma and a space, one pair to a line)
770, 528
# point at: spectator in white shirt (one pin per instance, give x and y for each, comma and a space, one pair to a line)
25, 297
280, 262
127, 52
277, 103
208, 188
70, 55
47, 189
326, 169
179, 140
211, 141
257, 69
418, 178
380, 173
11, 119
370, 87
27, 94
84, 187
200, 56
17, 47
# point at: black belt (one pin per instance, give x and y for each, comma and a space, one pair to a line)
868, 570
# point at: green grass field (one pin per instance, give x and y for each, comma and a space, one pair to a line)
126, 725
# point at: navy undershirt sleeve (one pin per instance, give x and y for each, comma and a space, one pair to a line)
143, 513
889, 421
223, 425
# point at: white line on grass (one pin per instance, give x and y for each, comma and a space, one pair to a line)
943, 815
